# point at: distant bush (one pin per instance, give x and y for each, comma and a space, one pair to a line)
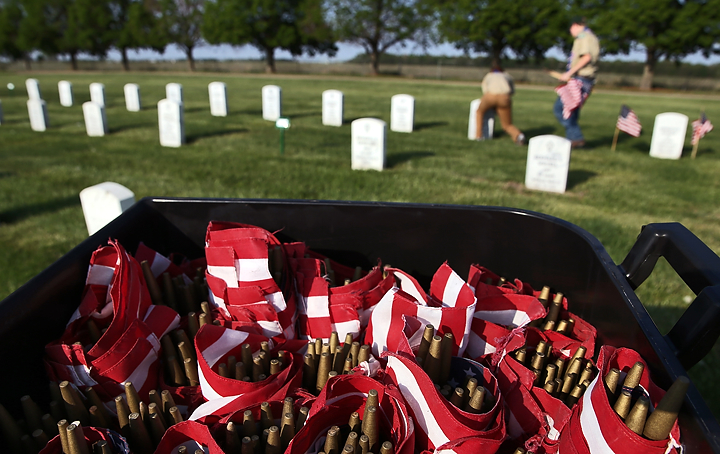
665, 68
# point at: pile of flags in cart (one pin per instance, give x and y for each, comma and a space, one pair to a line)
263, 295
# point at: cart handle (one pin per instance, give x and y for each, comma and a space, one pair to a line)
695, 333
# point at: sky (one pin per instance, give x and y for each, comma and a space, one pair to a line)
345, 52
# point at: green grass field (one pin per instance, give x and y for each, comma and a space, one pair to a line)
610, 194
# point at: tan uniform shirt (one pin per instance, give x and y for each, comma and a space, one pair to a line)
497, 83
586, 43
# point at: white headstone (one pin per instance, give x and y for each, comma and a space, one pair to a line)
218, 99
174, 92
95, 120
332, 107
368, 144
488, 123
97, 93
37, 110
668, 135
402, 113
33, 89
104, 202
66, 93
548, 163
171, 123
271, 102
132, 97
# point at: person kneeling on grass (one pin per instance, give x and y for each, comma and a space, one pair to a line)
497, 87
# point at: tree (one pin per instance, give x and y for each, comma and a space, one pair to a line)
181, 22
90, 29
42, 26
10, 17
527, 28
378, 25
137, 28
669, 29
297, 26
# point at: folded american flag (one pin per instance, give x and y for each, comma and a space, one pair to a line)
571, 96
323, 309
399, 318
237, 257
214, 344
628, 122
115, 298
441, 426
701, 126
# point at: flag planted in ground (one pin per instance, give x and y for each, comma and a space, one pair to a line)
701, 126
628, 122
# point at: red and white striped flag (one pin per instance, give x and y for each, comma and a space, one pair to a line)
159, 264
322, 309
628, 122
237, 255
701, 126
117, 300
441, 426
214, 344
391, 318
190, 434
571, 96
594, 426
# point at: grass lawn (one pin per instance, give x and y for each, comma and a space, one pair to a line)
610, 194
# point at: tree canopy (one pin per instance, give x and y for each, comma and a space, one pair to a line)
297, 26
10, 17
137, 28
180, 22
527, 28
663, 29
378, 25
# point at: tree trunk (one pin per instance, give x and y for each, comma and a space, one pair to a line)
270, 60
375, 62
496, 58
73, 61
190, 59
26, 58
648, 70
125, 61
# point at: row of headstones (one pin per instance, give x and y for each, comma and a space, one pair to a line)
547, 168
548, 162
548, 159
170, 115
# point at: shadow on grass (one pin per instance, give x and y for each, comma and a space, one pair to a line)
348, 121
429, 124
195, 137
642, 147
18, 214
575, 177
539, 131
700, 152
196, 109
126, 128
7, 174
601, 142
303, 114
399, 158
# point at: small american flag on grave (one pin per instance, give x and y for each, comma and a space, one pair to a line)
628, 122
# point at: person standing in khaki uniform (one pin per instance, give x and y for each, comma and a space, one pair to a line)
582, 65
497, 87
